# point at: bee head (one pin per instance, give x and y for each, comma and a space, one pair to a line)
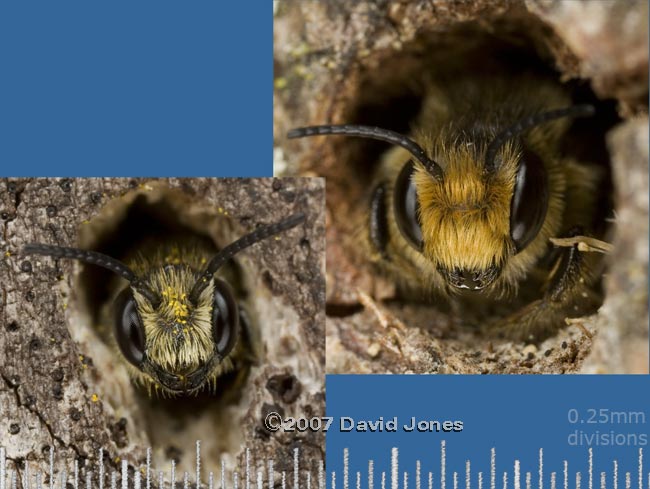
471, 214
176, 326
178, 343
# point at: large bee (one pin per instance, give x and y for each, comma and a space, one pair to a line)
467, 204
176, 323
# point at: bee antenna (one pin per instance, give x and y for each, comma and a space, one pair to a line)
94, 258
584, 110
232, 249
371, 132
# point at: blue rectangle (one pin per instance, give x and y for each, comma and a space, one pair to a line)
514, 415
144, 88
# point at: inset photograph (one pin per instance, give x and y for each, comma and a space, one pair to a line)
486, 167
140, 316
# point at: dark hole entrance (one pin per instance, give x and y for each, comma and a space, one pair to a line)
392, 89
140, 227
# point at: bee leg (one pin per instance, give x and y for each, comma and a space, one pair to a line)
568, 293
378, 219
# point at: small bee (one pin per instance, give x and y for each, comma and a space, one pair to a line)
176, 324
467, 205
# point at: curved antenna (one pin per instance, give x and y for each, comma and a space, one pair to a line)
94, 258
371, 132
499, 140
232, 249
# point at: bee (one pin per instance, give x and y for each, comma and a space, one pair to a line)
176, 323
466, 205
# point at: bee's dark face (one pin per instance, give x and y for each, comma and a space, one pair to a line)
471, 280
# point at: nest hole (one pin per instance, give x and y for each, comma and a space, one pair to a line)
138, 222
390, 92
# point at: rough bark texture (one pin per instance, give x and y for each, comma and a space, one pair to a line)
331, 58
52, 394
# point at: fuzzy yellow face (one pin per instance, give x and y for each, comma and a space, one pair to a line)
179, 339
464, 217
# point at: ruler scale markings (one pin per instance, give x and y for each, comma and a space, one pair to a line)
25, 477
51, 467
346, 466
148, 469
296, 472
3, 468
541, 468
517, 480
198, 464
125, 474
394, 468
640, 468
566, 474
248, 468
321, 474
628, 480
443, 455
101, 468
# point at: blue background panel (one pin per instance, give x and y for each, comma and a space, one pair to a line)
516, 415
136, 88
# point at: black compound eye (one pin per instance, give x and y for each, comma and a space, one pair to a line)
128, 328
405, 201
225, 318
529, 200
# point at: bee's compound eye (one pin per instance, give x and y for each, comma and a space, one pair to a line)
225, 318
529, 200
128, 327
405, 201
